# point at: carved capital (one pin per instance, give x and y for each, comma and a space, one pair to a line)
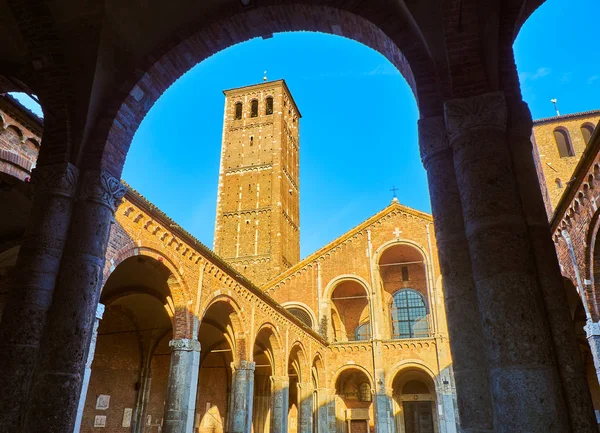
592, 329
483, 111
432, 137
56, 179
100, 187
185, 345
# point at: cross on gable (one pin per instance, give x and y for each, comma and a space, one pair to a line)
397, 232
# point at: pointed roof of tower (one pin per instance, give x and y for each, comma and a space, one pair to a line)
393, 206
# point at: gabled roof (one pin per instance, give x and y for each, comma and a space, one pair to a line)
393, 206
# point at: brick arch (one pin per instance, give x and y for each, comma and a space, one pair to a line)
302, 306
238, 319
336, 281
407, 364
276, 346
591, 271
347, 367
398, 39
180, 293
318, 370
297, 348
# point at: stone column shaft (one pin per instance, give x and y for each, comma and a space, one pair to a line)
470, 363
180, 404
517, 339
280, 401
88, 369
240, 413
54, 396
305, 407
326, 410
30, 296
570, 365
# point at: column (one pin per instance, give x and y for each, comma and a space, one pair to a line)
326, 410
88, 368
469, 359
280, 402
54, 396
240, 411
570, 364
383, 411
30, 296
592, 332
523, 373
180, 404
305, 407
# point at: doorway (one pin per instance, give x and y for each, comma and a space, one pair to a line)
418, 416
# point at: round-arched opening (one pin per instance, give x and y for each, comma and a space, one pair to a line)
296, 371
301, 313
266, 357
563, 142
587, 130
350, 314
403, 273
216, 335
414, 402
354, 402
132, 357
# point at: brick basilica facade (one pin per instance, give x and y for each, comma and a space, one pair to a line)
113, 317
352, 338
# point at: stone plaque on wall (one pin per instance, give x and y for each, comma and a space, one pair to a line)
100, 421
127, 413
103, 402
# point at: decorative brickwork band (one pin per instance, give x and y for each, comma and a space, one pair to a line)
432, 137
185, 345
482, 111
102, 188
56, 179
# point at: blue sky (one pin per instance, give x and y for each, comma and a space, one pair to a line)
358, 131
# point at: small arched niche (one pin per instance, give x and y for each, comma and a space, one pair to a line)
414, 402
350, 318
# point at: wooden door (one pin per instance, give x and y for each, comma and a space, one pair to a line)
418, 417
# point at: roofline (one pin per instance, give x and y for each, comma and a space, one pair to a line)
566, 116
35, 119
281, 80
585, 162
343, 237
139, 200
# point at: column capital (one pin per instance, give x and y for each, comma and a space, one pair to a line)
56, 179
100, 311
243, 365
184, 345
100, 187
592, 329
284, 380
482, 111
433, 137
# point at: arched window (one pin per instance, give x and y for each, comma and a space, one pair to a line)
238, 110
254, 108
364, 392
587, 129
558, 182
301, 314
269, 108
563, 142
363, 332
409, 315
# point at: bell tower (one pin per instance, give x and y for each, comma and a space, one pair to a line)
257, 228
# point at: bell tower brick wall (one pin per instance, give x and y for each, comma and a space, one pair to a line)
258, 219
